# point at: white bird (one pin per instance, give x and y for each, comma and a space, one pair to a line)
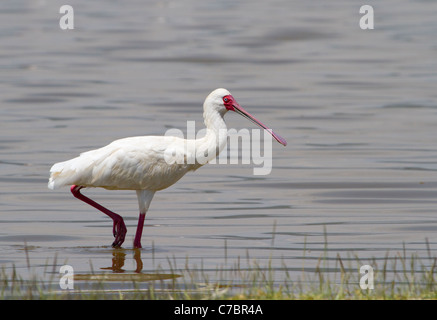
142, 163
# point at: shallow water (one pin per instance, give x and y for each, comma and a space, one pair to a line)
357, 107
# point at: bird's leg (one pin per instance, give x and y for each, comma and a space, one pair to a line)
119, 229
144, 199
137, 241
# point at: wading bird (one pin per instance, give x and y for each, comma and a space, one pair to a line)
145, 164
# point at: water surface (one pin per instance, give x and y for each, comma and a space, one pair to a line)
357, 107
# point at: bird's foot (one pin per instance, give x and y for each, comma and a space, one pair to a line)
137, 244
119, 230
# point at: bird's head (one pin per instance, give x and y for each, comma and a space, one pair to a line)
222, 101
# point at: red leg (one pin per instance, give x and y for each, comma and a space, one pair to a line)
137, 241
119, 229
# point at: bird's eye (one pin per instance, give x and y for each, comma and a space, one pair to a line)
225, 99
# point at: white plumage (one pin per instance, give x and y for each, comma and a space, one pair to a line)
135, 163
142, 163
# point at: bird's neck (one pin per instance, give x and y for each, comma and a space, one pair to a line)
215, 138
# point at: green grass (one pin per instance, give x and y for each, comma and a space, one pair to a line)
395, 277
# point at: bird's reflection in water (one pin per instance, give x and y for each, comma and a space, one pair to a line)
119, 274
119, 257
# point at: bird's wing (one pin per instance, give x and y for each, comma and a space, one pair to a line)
130, 163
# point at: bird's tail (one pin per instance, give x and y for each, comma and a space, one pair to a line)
66, 173
58, 175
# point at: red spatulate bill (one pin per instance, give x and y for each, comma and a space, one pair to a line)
238, 109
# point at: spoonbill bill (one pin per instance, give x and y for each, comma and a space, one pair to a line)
142, 163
